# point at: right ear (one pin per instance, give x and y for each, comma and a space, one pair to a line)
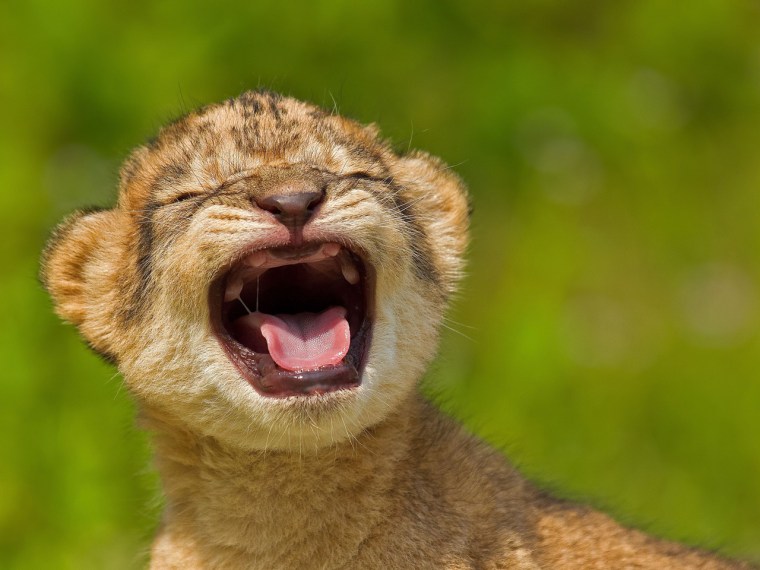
78, 270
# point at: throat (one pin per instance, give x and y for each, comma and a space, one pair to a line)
264, 502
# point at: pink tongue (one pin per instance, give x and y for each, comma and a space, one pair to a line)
303, 341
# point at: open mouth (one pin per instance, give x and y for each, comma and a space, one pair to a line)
296, 320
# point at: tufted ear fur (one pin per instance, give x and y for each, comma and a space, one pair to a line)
78, 269
438, 199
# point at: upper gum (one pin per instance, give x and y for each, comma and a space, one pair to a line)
259, 261
262, 259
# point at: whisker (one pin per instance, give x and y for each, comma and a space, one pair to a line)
460, 333
239, 298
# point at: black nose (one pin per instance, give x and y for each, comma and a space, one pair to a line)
292, 210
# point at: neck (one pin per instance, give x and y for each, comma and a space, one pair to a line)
254, 505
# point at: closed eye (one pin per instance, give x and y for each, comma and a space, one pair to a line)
361, 175
185, 196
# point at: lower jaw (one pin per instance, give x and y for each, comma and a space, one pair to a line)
269, 380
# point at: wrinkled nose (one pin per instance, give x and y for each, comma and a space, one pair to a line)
292, 209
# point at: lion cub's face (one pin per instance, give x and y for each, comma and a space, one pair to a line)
272, 275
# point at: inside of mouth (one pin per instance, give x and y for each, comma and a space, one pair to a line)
303, 315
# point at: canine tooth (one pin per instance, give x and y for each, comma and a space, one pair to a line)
350, 273
256, 259
331, 249
234, 287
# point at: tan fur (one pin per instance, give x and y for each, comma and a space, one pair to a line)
371, 477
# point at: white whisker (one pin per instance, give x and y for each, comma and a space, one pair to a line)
239, 298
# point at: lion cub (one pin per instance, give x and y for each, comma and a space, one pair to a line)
271, 285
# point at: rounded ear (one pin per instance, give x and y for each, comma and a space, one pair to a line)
77, 270
438, 199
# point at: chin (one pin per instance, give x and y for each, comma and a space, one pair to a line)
236, 414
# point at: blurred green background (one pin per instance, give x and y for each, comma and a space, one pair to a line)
608, 336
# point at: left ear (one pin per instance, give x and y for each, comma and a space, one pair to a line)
438, 198
80, 271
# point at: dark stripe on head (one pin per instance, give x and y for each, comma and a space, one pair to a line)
250, 100
174, 131
237, 136
274, 108
317, 113
171, 174
418, 240
145, 245
146, 242
359, 150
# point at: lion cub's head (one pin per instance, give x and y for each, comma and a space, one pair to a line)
272, 275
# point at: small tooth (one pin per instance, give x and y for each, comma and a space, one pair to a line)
331, 249
350, 273
234, 287
256, 259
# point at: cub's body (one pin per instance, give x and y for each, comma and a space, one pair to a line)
271, 284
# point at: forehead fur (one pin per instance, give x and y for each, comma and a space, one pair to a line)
207, 146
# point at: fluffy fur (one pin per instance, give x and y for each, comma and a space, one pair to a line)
371, 477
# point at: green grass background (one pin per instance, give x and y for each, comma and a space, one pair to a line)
608, 333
